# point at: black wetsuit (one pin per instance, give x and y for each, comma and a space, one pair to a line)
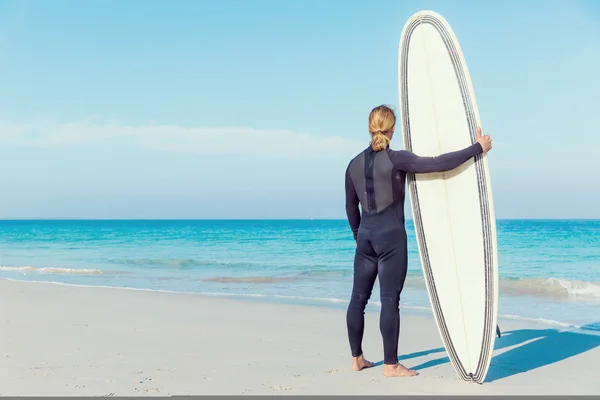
376, 181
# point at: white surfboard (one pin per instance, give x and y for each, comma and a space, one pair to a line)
453, 211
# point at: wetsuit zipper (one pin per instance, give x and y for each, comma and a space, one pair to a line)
370, 184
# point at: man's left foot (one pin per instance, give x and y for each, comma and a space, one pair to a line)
359, 363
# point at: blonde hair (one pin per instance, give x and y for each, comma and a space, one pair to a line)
381, 125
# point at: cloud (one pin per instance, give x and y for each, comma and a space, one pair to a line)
250, 172
198, 140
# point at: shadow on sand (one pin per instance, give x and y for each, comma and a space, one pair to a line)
543, 347
415, 354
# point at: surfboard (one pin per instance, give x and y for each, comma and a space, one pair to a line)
453, 212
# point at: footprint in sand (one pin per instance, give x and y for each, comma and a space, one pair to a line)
279, 388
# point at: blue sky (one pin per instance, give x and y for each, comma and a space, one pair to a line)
252, 109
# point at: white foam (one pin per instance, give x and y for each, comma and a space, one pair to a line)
551, 287
578, 288
540, 320
52, 270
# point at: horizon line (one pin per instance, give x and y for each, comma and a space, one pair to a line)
254, 219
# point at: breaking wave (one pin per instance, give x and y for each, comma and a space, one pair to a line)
551, 287
52, 270
555, 288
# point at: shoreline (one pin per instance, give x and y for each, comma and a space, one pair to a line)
342, 219
60, 339
321, 302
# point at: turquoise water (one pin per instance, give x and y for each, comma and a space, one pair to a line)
549, 270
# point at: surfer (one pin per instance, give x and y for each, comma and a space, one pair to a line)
375, 179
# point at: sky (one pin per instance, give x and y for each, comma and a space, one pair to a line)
253, 109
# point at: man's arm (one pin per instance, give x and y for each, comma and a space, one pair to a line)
409, 162
352, 211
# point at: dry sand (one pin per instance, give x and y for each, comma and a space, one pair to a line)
66, 340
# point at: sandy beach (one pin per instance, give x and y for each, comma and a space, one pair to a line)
68, 340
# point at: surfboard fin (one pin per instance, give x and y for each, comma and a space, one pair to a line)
498, 331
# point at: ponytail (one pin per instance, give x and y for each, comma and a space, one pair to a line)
380, 141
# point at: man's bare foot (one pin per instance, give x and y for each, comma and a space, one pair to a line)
359, 363
397, 370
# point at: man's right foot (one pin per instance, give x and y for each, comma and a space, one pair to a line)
397, 370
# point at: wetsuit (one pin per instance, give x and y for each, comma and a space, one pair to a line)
376, 181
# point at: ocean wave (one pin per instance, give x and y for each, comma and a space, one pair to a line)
190, 263
159, 262
554, 288
52, 270
251, 279
544, 321
301, 268
539, 287
551, 287
593, 327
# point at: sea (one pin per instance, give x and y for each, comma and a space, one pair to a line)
549, 269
